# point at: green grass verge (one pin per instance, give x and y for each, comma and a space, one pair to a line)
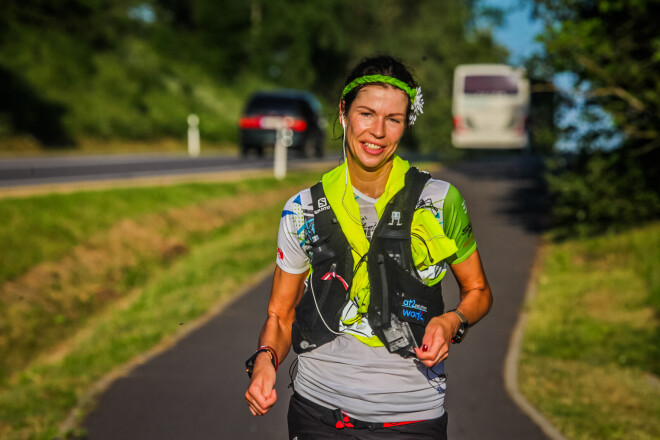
590, 357
158, 295
43, 228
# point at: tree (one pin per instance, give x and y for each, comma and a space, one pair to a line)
132, 69
612, 48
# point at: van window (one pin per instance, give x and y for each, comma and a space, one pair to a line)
478, 84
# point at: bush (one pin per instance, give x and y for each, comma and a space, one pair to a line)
599, 192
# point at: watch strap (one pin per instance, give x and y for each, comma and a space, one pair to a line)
461, 316
462, 328
249, 364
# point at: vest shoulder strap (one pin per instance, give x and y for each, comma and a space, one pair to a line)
398, 214
324, 216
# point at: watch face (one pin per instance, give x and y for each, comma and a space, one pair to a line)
249, 364
460, 334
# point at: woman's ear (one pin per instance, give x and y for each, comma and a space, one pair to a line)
342, 119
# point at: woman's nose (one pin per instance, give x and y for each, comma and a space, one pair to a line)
378, 128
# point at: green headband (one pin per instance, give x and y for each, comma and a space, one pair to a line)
416, 100
368, 79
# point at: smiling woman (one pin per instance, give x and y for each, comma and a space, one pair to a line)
374, 126
357, 288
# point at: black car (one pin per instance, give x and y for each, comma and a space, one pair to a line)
297, 110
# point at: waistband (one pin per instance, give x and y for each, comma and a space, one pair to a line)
339, 419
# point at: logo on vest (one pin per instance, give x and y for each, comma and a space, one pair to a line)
413, 310
322, 204
305, 345
396, 217
412, 304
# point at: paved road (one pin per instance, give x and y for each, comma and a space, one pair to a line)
195, 390
51, 170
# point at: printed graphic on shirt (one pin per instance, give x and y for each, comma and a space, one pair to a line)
295, 233
428, 204
368, 227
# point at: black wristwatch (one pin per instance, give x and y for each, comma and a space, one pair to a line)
249, 364
462, 328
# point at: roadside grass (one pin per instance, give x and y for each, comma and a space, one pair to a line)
165, 257
590, 357
43, 228
40, 397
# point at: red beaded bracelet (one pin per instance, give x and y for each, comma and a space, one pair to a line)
249, 364
273, 355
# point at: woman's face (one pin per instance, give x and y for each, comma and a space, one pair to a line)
375, 124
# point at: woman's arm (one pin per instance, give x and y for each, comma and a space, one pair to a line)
476, 300
476, 296
276, 333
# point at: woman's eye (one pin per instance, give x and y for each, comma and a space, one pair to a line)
396, 121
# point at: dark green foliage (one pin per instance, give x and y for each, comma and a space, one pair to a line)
542, 113
132, 69
600, 192
26, 112
612, 49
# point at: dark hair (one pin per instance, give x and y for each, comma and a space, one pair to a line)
377, 65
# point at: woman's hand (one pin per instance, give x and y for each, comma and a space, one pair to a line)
261, 394
476, 300
437, 338
276, 334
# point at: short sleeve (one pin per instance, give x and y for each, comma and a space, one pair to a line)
457, 225
291, 246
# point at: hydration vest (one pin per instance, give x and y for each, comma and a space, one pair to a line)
400, 305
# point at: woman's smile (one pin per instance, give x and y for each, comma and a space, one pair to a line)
375, 124
373, 148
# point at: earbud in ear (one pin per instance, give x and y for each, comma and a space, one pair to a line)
343, 122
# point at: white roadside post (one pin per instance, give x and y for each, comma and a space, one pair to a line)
193, 135
284, 139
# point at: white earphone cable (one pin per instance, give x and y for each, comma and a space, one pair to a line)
343, 144
311, 286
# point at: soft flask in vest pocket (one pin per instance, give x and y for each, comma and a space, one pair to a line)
400, 314
401, 305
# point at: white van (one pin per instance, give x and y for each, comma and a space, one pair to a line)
490, 107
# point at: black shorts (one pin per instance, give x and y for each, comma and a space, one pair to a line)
308, 421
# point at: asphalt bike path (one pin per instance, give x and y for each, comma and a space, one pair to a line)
195, 390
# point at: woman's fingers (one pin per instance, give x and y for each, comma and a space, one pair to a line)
436, 352
435, 345
260, 396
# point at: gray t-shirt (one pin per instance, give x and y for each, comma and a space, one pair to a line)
369, 383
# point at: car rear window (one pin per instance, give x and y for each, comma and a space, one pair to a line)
275, 105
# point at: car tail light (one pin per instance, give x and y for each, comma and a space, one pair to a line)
272, 122
298, 125
250, 122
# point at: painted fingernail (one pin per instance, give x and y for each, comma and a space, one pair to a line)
425, 347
